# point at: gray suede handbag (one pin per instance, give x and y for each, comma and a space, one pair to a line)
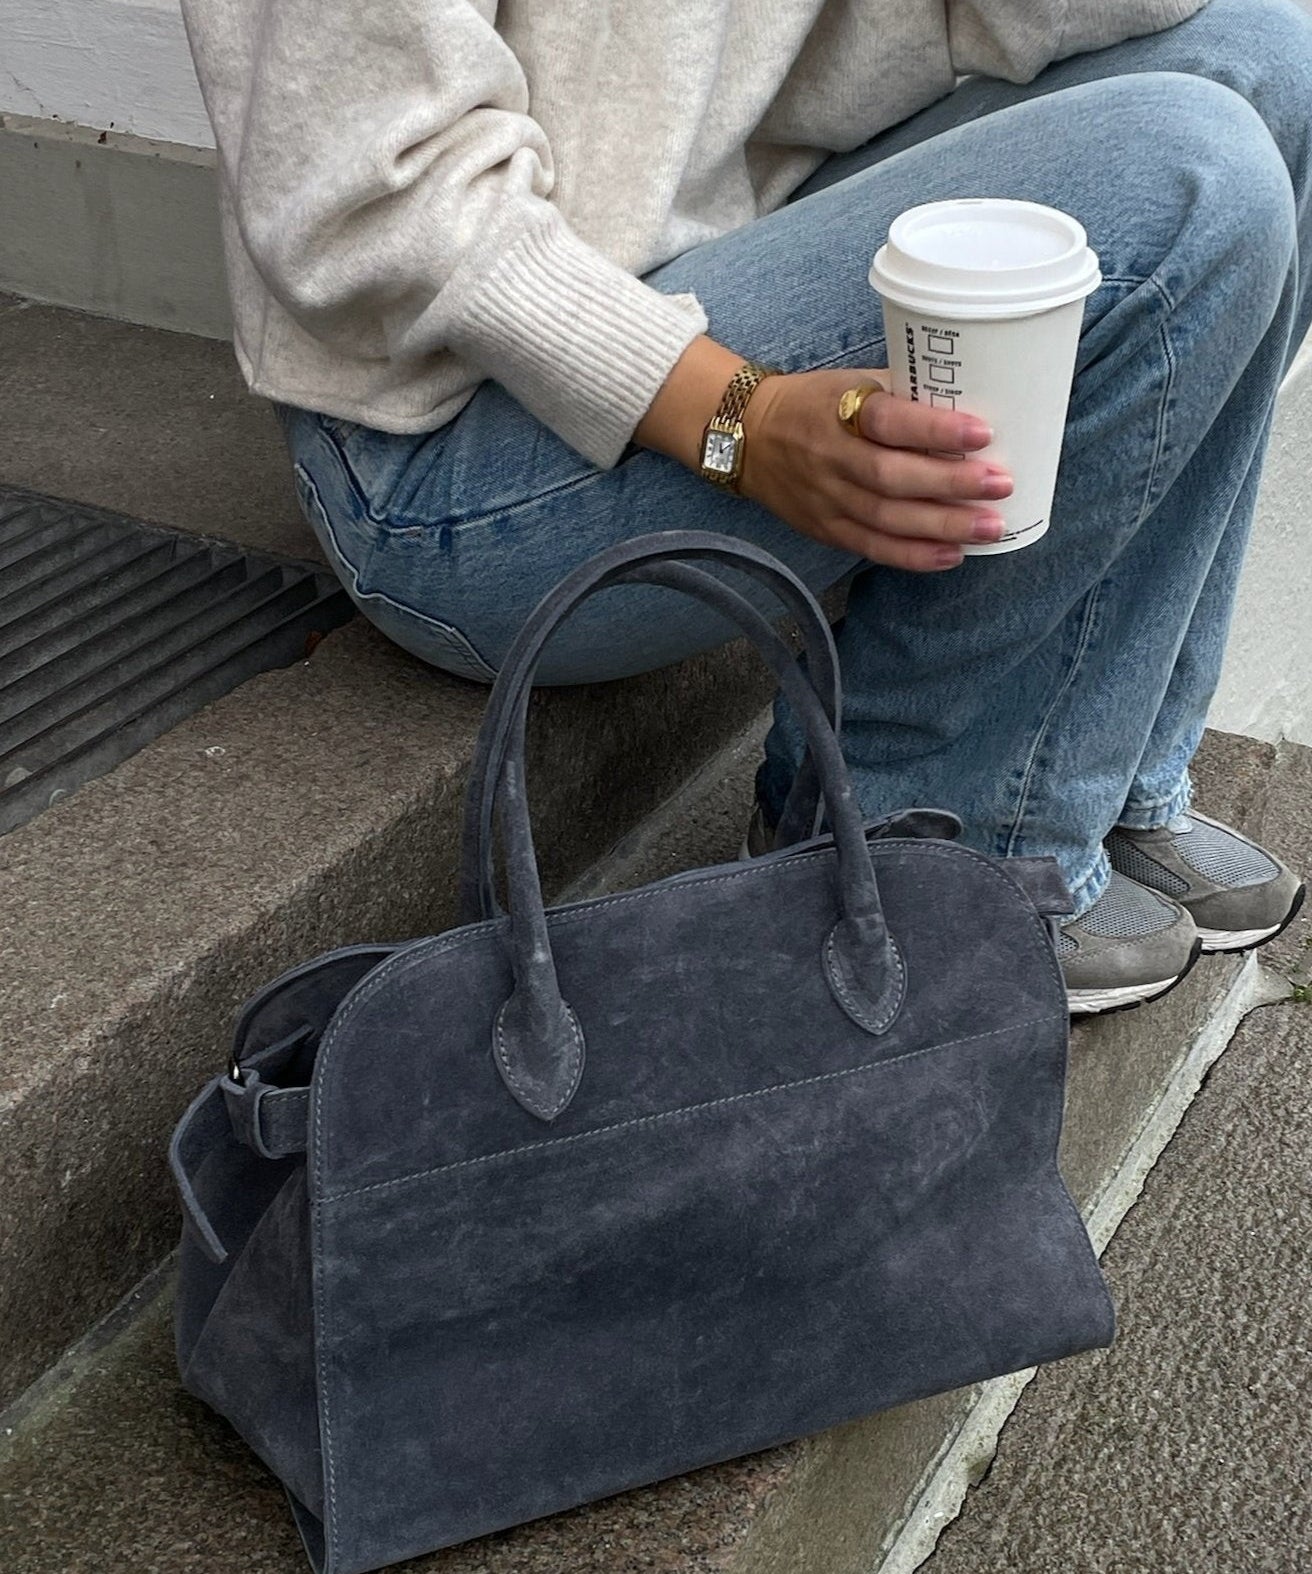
483, 1226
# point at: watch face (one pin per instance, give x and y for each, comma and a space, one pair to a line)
720, 452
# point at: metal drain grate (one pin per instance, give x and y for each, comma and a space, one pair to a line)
112, 631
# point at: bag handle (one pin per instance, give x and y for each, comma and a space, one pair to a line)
537, 1041
632, 562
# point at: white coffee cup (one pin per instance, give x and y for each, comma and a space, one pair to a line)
983, 299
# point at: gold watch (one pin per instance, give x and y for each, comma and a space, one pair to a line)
723, 441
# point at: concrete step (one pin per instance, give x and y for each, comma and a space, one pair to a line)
1186, 1448
107, 1466
154, 425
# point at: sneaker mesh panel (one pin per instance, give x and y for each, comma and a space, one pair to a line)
1066, 944
1126, 911
1223, 857
1129, 859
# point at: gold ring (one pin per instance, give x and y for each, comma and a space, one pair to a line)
849, 405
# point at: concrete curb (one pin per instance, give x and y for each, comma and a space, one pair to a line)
967, 1456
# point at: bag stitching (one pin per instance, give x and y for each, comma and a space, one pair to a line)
851, 1005
411, 955
688, 1109
915, 849
450, 942
525, 1097
318, 1291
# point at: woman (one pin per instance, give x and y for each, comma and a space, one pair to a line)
498, 264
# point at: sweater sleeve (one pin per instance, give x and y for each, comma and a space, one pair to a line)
1016, 39
394, 193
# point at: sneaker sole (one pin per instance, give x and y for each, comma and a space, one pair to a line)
1125, 997
1245, 939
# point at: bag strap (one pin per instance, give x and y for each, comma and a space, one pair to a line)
270, 1120
635, 561
205, 1123
537, 1040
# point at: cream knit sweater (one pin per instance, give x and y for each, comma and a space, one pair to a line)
420, 194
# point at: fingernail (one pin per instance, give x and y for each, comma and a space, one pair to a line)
947, 557
986, 527
996, 483
975, 433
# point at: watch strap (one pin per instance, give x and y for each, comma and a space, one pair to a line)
741, 387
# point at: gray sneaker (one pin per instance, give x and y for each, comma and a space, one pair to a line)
1235, 891
1131, 946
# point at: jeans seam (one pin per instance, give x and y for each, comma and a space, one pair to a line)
1164, 408
353, 479
485, 672
852, 349
1150, 804
350, 573
1031, 764
395, 520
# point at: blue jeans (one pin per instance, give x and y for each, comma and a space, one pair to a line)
1045, 695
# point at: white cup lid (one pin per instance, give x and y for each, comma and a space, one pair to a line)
985, 257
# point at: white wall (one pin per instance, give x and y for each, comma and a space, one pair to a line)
1266, 688
111, 64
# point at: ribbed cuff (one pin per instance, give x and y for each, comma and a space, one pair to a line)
575, 338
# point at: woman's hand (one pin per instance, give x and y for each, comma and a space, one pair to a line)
881, 496
890, 495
